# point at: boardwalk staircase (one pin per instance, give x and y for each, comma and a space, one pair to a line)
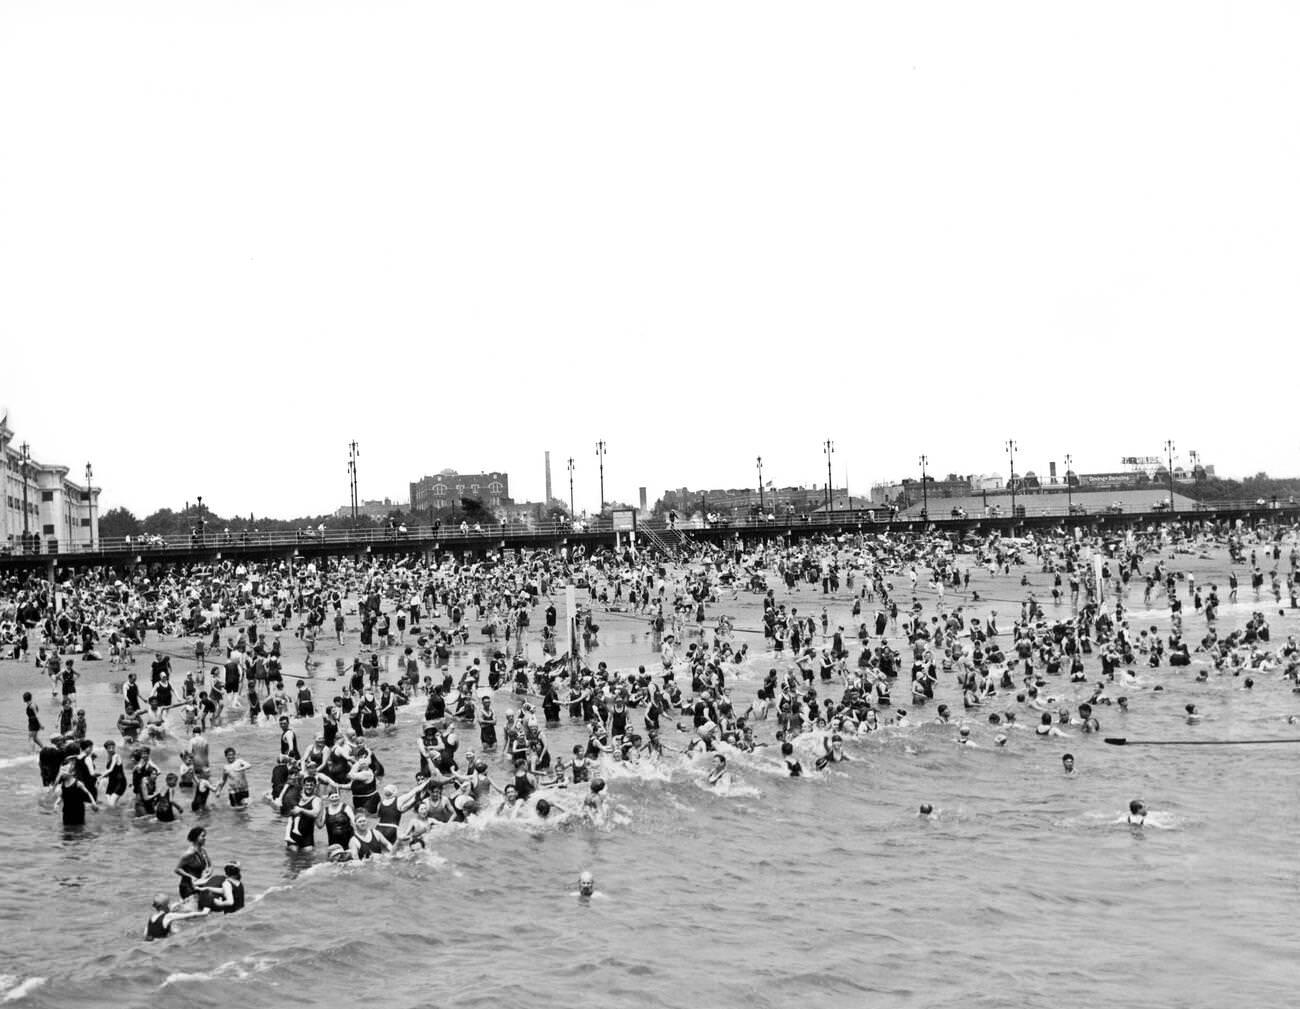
668, 541
655, 540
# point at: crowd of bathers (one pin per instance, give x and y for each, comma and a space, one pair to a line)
905, 629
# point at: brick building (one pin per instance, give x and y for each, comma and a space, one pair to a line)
439, 493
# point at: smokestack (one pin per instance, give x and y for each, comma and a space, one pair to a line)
548, 478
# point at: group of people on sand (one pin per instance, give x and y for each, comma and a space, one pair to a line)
909, 626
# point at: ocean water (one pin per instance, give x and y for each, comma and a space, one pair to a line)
1025, 888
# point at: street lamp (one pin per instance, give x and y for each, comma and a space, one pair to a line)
572, 513
90, 505
600, 452
200, 518
829, 449
1169, 445
1069, 487
925, 499
1011, 451
352, 477
761, 511
27, 457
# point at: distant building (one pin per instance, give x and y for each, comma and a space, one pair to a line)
368, 509
442, 492
908, 491
905, 493
61, 514
738, 502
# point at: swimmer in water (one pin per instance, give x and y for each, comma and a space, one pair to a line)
1000, 739
834, 752
510, 804
586, 887
594, 804
366, 842
1137, 813
235, 775
927, 811
1046, 728
792, 767
1067, 763
718, 775
163, 917
229, 898
1193, 716
413, 833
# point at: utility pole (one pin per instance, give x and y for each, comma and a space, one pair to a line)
27, 456
90, 507
761, 511
600, 452
352, 476
1011, 451
1069, 487
925, 498
829, 449
1169, 447
572, 513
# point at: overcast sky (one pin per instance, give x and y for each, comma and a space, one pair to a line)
236, 236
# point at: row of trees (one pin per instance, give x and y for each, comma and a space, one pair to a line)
117, 523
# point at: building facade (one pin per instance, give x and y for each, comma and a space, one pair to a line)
43, 511
739, 502
368, 509
442, 492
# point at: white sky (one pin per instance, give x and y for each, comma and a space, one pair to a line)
236, 235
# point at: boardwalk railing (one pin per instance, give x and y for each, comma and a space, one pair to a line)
656, 531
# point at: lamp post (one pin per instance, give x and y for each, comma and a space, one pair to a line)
1169, 448
352, 477
27, 457
761, 511
829, 449
600, 453
200, 518
925, 499
1069, 487
572, 513
90, 505
1011, 451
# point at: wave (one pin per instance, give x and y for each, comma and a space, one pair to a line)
234, 970
23, 761
727, 788
14, 989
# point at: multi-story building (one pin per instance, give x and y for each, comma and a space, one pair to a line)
40, 502
444, 491
908, 491
742, 501
368, 509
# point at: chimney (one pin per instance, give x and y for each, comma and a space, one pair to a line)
548, 479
